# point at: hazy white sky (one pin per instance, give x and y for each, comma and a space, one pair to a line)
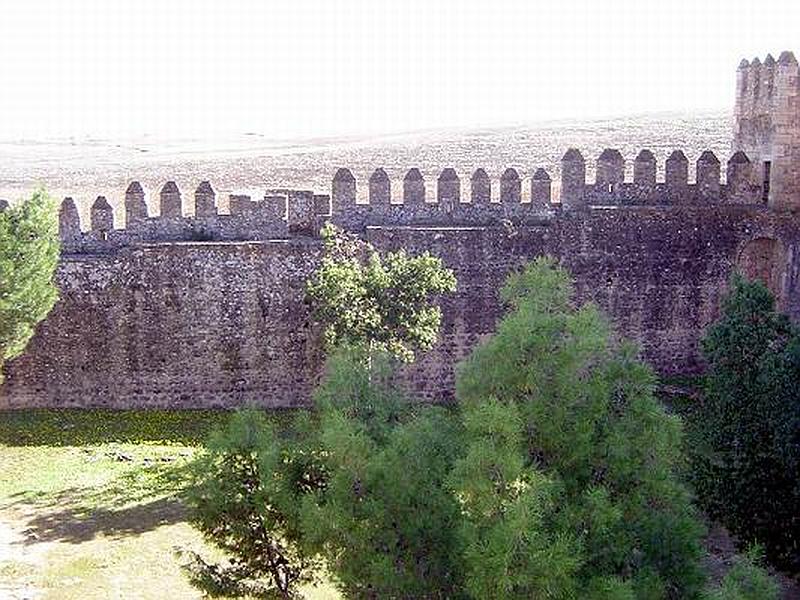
325, 67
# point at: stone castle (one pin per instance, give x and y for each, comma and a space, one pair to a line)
208, 310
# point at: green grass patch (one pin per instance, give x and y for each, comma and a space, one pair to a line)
75, 427
96, 494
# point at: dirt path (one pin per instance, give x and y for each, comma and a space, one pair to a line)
21, 554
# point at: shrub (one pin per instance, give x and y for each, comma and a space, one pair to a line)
746, 580
386, 522
244, 501
747, 428
381, 302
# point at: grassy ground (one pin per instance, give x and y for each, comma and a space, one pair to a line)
89, 504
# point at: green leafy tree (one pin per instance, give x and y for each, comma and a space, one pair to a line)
383, 522
747, 428
29, 249
381, 302
554, 479
252, 483
386, 521
568, 484
245, 500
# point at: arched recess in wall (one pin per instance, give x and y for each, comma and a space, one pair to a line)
765, 259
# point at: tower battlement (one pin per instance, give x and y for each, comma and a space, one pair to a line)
767, 126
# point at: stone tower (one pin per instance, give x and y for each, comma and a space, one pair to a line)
767, 126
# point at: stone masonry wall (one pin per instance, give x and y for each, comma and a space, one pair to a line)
205, 324
659, 274
211, 322
173, 305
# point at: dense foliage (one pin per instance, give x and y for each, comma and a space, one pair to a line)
245, 501
252, 484
386, 521
553, 477
29, 247
569, 484
747, 464
383, 302
746, 580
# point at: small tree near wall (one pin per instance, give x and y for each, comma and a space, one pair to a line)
29, 249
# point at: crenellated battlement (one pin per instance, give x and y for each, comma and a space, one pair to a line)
279, 214
764, 169
532, 200
767, 126
520, 199
762, 86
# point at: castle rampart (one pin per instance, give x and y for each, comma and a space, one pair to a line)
280, 214
208, 309
487, 204
285, 213
181, 308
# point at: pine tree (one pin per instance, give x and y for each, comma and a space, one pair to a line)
569, 483
747, 463
29, 250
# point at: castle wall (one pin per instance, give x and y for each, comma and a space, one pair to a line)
219, 324
658, 273
179, 324
186, 308
175, 309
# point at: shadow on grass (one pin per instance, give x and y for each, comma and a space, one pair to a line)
79, 427
75, 525
133, 503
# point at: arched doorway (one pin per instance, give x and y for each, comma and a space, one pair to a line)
765, 259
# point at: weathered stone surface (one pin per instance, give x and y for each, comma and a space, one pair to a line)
102, 216
206, 323
448, 188
380, 188
205, 200
171, 203
610, 168
69, 221
767, 126
481, 187
573, 180
510, 187
644, 169
739, 176
343, 192
541, 190
413, 188
135, 205
708, 173
210, 310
